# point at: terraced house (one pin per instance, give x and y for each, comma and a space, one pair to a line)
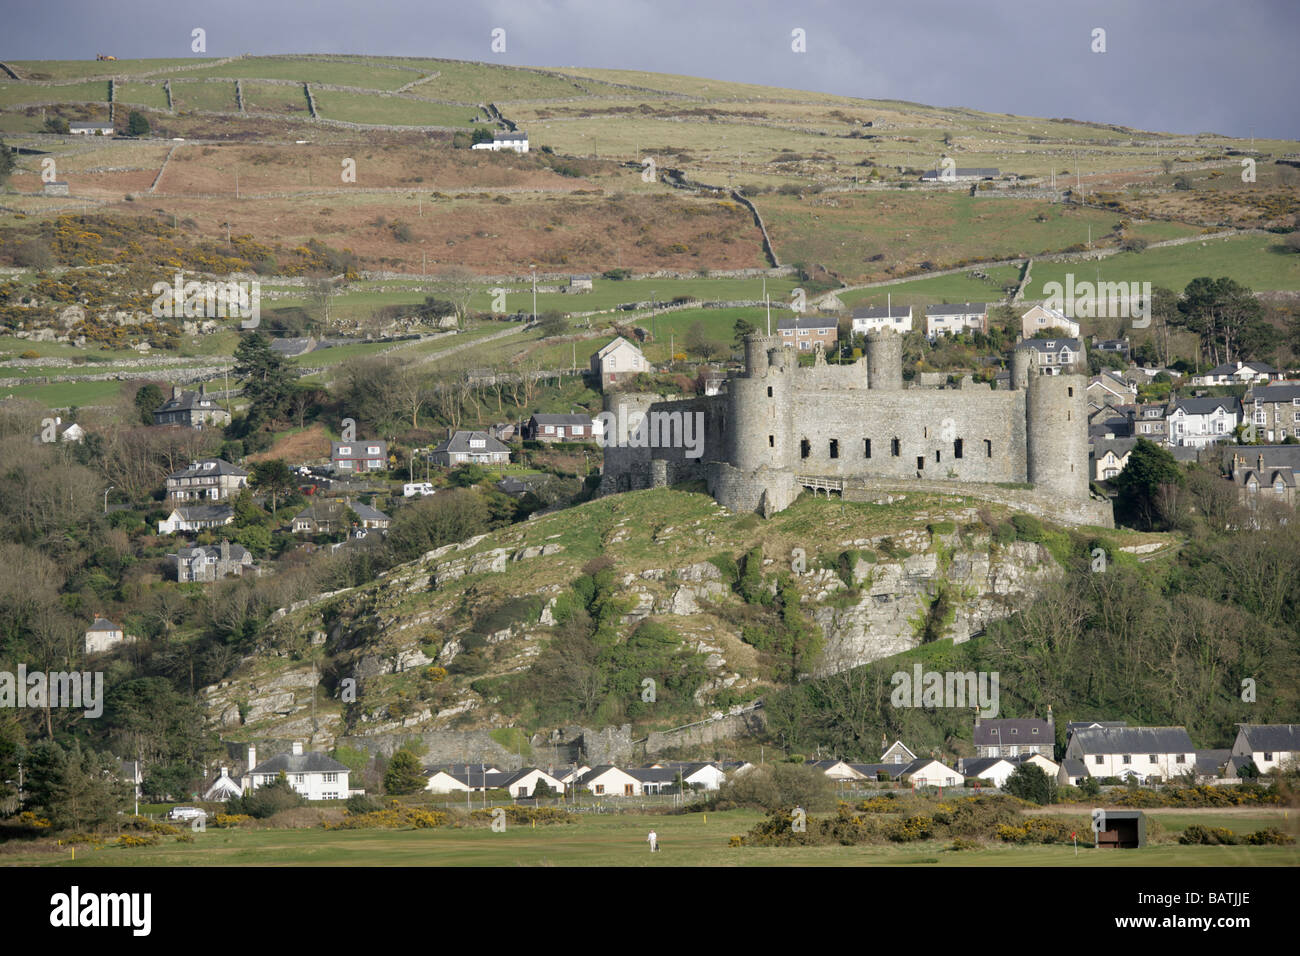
808, 333
1140, 752
1274, 410
1197, 422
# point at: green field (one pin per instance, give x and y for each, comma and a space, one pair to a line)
617, 839
390, 110
16, 94
922, 292
197, 95
338, 73
73, 69
151, 95
67, 394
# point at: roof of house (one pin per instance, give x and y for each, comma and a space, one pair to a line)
873, 769
609, 347
921, 763
902, 312
1269, 476
1272, 737
1052, 313
1074, 767
548, 419
1011, 731
1231, 368
237, 552
1018, 759
301, 763
1120, 446
367, 513
499, 135
809, 322
1212, 761
1128, 740
1050, 345
204, 512
459, 442
975, 766
293, 346
1206, 406
1275, 456
599, 770
188, 401
455, 768
1276, 392
970, 308
103, 624
101, 125
208, 466
654, 774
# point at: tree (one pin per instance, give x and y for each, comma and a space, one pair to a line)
268, 380
458, 284
553, 323
147, 398
6, 162
1029, 782
137, 124
740, 330
57, 124
481, 135
268, 799
702, 345
275, 479
1150, 468
76, 789
404, 774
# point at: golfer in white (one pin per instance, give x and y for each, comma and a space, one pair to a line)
654, 841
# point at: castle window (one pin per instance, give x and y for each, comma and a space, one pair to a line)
1069, 416
771, 441
895, 448
1070, 391
936, 455
805, 448
835, 448
920, 463
769, 391
866, 448
956, 448
988, 448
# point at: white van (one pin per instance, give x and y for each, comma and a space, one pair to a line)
420, 488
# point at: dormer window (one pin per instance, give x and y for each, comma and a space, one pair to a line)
345, 449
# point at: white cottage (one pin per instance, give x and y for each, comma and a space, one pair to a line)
314, 775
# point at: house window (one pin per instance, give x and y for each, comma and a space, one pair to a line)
1069, 391
835, 448
600, 788
936, 455
1180, 758
299, 778
1097, 760
1035, 730
866, 448
345, 450
627, 789
1151, 758
331, 778
1268, 755
1015, 731
1127, 758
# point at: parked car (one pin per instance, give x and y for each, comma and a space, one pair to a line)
187, 813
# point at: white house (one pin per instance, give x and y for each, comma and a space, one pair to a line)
103, 635
954, 319
1141, 752
314, 775
223, 788
607, 780
874, 319
1040, 318
1110, 456
522, 783
1197, 422
1238, 373
619, 358
506, 139
836, 769
91, 129
440, 781
928, 772
1043, 763
1270, 746
993, 769
196, 518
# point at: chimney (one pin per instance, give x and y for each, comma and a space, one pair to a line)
297, 748
224, 773
252, 757
225, 551
176, 393
1261, 461
203, 389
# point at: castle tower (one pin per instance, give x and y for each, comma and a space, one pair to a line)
1021, 366
760, 407
884, 359
1056, 431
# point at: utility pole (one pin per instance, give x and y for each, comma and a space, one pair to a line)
534, 268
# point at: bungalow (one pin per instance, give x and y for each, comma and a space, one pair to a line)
897, 753
960, 174
874, 320
836, 769
208, 479
324, 517
477, 448
1270, 746
1055, 355
552, 428
103, 635
619, 358
928, 772
314, 775
655, 779
523, 783
98, 128
191, 409
1140, 752
707, 776
993, 769
1238, 373
196, 518
440, 781
807, 333
516, 140
1010, 737
1111, 346
1197, 422
1071, 772
358, 457
955, 319
1041, 318
607, 780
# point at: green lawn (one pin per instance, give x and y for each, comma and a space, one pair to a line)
67, 394
614, 840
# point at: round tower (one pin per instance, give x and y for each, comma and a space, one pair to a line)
1056, 435
884, 359
759, 408
756, 348
1022, 362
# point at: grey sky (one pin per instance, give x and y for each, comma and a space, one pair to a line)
1182, 66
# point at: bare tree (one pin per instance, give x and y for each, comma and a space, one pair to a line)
458, 284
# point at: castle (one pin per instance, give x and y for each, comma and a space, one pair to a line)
854, 429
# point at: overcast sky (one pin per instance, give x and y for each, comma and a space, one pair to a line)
1182, 66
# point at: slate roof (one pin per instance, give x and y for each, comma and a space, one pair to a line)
901, 312
367, 513
1206, 406
103, 624
294, 346
1212, 761
809, 322
200, 469
870, 770
1040, 345
1267, 477
204, 512
507, 135
188, 401
1012, 732
654, 775
1287, 392
605, 350
548, 419
1074, 767
1275, 456
1230, 368
1129, 740
1272, 737
1120, 446
970, 308
301, 763
975, 766
459, 442
237, 552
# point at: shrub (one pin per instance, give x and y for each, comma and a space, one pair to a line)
1028, 528
268, 800
517, 815
1197, 835
225, 820
1270, 836
127, 840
